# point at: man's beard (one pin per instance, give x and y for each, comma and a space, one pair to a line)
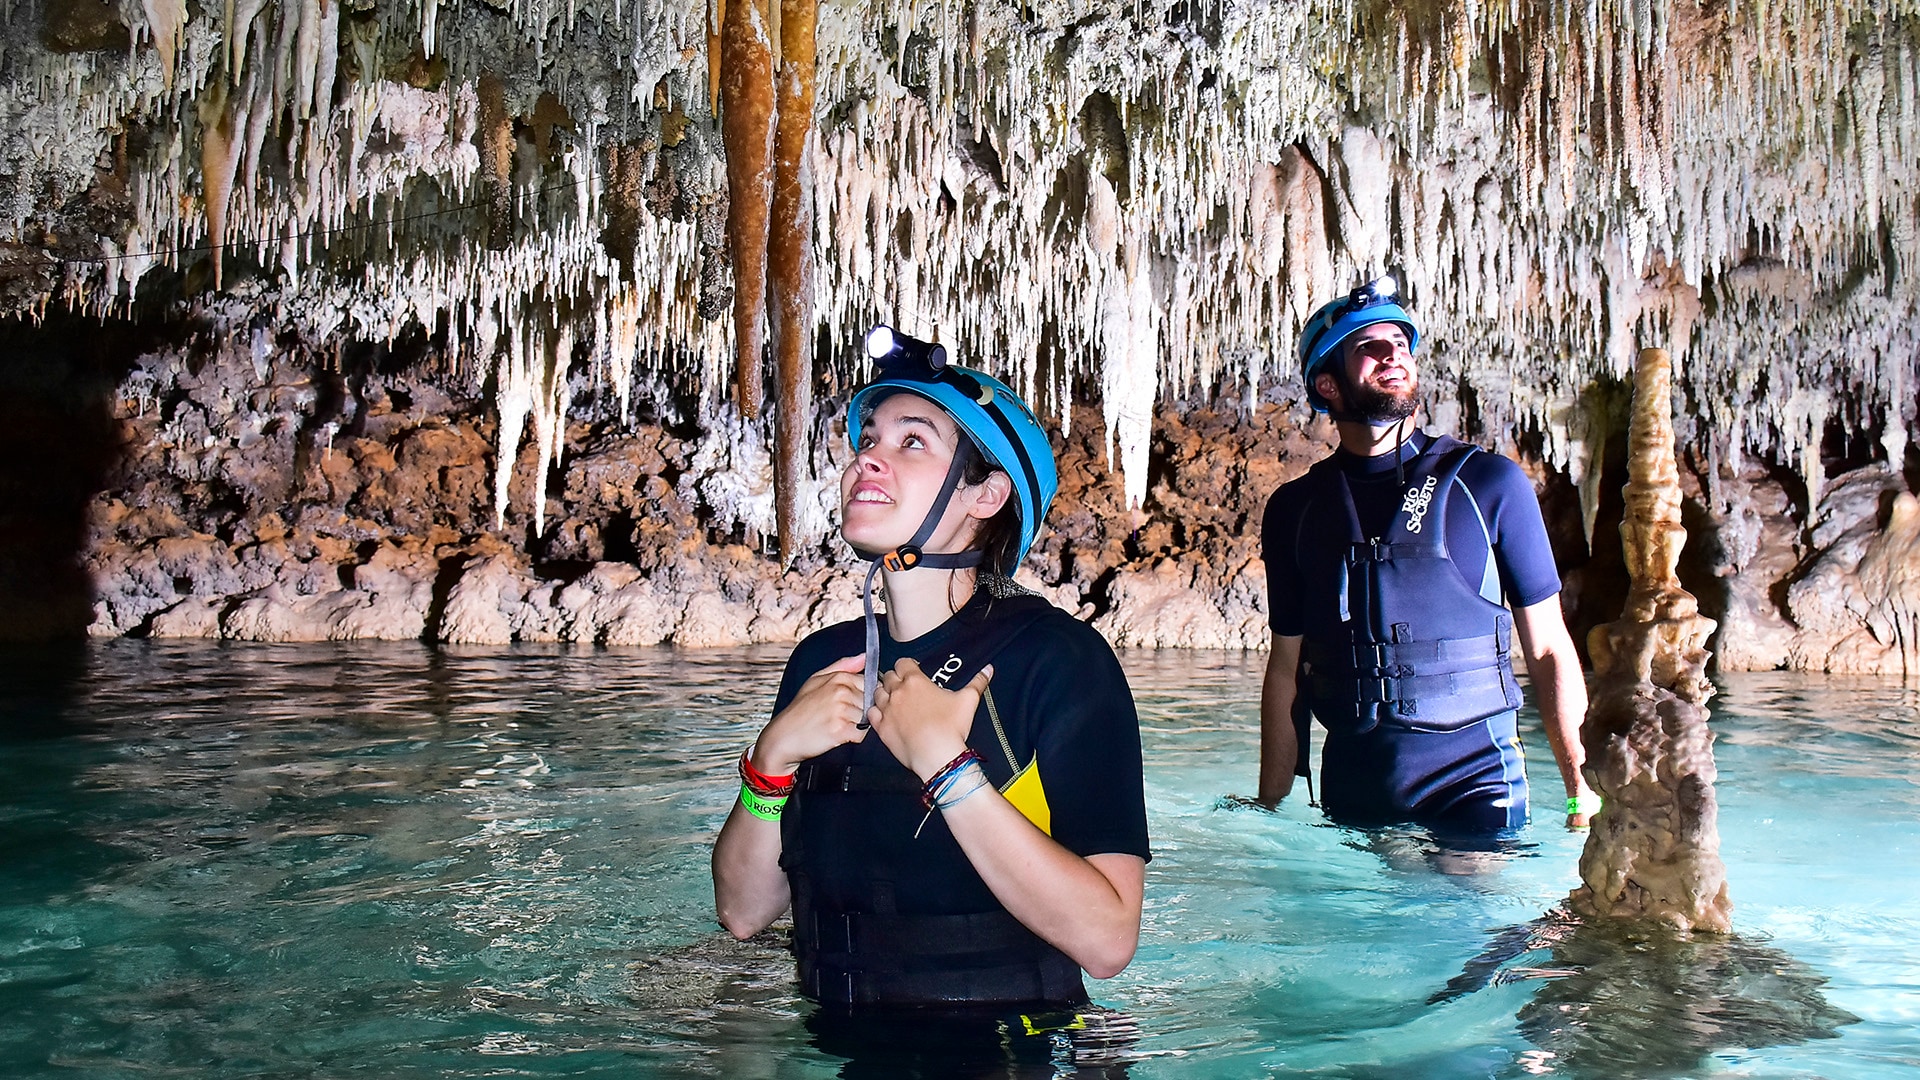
1382, 407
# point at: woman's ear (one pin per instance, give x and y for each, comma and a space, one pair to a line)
987, 497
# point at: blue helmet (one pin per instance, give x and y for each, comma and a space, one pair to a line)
1329, 327
992, 415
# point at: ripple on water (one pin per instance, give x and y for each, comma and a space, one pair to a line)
235, 860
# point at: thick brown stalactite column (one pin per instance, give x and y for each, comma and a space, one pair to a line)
1654, 852
496, 160
790, 270
219, 155
746, 126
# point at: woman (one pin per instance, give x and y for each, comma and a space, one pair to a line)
990, 843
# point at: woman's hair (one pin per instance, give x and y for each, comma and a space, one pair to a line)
998, 536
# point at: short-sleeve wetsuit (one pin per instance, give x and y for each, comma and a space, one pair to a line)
888, 910
1466, 781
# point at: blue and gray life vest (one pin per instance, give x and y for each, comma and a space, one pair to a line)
1396, 636
857, 813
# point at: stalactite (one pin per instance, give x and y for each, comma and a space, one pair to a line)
747, 120
219, 154
1654, 849
1765, 151
790, 265
496, 161
166, 20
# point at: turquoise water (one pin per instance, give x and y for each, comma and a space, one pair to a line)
388, 861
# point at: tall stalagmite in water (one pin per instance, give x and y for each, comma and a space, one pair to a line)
1655, 848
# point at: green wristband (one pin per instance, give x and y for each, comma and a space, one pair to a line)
761, 806
1584, 804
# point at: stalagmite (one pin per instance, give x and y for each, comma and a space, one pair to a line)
747, 124
1654, 849
790, 265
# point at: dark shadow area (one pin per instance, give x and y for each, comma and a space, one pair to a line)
1622, 998
40, 680
1594, 579
59, 445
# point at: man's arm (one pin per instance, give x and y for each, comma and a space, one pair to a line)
1279, 747
1561, 689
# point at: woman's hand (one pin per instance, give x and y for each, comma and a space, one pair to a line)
823, 715
924, 725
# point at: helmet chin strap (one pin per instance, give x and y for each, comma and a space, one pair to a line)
909, 556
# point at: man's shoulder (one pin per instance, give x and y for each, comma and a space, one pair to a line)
1492, 476
1300, 490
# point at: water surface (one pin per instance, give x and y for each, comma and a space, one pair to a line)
238, 861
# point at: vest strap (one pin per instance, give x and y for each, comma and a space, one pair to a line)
842, 779
1402, 658
863, 959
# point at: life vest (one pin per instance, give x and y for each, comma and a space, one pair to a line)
1396, 636
856, 812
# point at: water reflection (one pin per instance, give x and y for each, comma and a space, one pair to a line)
1629, 998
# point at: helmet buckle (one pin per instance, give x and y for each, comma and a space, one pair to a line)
903, 558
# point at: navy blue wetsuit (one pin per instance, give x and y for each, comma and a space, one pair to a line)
1385, 761
888, 911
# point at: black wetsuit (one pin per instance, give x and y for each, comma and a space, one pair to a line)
1452, 759
884, 918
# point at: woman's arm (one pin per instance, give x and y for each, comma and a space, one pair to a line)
749, 889
1087, 907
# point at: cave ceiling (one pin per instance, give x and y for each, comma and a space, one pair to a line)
1145, 199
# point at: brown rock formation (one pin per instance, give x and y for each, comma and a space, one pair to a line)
1654, 849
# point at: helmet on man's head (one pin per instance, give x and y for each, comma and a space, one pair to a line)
1329, 328
999, 424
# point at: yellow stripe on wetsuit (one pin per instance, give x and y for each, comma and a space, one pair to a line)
1029, 796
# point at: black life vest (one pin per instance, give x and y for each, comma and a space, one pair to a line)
855, 813
1396, 636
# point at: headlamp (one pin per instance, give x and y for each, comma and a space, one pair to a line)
1380, 290
908, 359
894, 353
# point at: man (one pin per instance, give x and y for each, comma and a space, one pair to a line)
1401, 571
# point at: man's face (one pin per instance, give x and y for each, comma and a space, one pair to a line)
1380, 373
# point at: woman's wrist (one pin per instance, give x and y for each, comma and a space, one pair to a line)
770, 760
929, 763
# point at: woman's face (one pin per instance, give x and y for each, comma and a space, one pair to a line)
896, 473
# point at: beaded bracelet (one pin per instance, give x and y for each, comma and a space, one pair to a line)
761, 783
760, 806
1584, 804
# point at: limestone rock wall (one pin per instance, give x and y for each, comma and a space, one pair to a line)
240, 487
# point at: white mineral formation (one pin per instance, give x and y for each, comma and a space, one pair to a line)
1142, 198
1654, 851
